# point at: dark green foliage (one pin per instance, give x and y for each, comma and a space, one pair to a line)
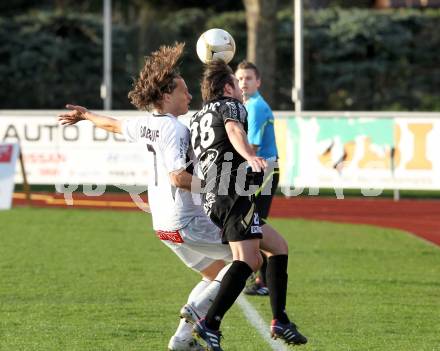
320, 4
364, 60
355, 59
49, 59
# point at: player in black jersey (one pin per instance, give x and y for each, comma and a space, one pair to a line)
230, 167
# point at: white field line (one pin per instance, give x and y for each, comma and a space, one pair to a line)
255, 319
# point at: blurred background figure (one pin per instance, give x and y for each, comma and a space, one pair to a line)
261, 135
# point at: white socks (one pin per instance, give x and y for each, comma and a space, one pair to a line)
184, 329
198, 289
204, 300
200, 298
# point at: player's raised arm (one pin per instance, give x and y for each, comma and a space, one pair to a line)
78, 113
238, 138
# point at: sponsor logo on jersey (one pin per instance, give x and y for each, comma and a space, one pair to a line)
233, 112
174, 236
151, 134
243, 113
207, 159
236, 111
209, 201
183, 147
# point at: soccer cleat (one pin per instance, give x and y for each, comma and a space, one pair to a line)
255, 286
256, 289
189, 313
209, 336
184, 344
287, 332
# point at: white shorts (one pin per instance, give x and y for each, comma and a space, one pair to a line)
198, 244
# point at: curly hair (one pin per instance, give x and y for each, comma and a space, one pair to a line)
215, 76
157, 77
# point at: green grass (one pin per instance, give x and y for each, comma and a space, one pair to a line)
100, 280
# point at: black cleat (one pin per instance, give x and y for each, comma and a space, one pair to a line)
210, 337
256, 290
287, 332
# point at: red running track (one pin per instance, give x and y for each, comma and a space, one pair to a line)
420, 217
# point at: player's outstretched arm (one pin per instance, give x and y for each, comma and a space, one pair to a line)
238, 138
78, 113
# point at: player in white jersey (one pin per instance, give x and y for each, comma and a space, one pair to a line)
177, 220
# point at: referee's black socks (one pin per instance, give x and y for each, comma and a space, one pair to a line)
231, 286
276, 277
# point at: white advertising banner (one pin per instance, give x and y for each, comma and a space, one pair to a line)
77, 154
8, 159
317, 149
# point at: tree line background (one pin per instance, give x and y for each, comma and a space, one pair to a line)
355, 58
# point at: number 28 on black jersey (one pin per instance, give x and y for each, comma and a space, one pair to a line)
209, 139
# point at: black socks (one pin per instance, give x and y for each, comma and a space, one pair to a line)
231, 286
276, 277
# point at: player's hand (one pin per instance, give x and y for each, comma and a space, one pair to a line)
76, 114
258, 164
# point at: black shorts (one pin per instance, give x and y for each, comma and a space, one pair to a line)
237, 216
264, 199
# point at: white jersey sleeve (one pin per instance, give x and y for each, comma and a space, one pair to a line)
131, 129
166, 141
175, 147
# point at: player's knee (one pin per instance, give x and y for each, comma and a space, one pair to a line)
283, 247
212, 270
256, 262
278, 247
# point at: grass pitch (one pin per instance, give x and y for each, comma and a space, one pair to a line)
100, 280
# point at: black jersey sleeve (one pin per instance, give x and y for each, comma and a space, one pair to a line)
232, 110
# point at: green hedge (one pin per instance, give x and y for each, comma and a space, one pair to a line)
354, 59
47, 60
371, 60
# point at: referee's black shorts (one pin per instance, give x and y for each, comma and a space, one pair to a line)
263, 200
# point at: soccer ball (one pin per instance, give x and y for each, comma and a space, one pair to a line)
215, 44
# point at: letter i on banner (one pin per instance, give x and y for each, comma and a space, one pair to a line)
8, 159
